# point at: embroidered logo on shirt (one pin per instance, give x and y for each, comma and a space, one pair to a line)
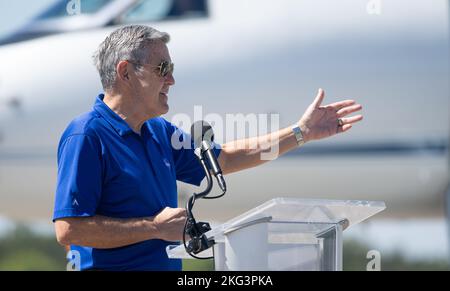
75, 202
167, 163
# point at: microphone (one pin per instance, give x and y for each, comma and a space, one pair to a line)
203, 136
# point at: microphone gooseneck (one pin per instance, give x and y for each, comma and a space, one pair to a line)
202, 136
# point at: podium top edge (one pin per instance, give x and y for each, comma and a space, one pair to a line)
309, 201
307, 210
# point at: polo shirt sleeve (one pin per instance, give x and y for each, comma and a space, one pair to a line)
79, 184
188, 168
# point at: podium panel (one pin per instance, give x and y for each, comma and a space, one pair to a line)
285, 234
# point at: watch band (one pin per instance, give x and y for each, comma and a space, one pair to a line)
298, 135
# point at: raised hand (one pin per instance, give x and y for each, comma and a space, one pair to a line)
319, 122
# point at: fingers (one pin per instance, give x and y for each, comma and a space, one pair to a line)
170, 223
341, 104
348, 110
319, 98
353, 119
180, 220
172, 213
180, 213
344, 128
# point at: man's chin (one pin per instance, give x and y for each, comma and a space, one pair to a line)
165, 108
164, 102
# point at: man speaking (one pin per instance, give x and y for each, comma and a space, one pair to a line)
116, 194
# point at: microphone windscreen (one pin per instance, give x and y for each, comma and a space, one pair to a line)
200, 131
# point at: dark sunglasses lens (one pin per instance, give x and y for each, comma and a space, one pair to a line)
166, 68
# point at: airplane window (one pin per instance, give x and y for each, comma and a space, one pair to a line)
86, 7
148, 10
154, 10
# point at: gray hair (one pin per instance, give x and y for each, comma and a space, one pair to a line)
126, 43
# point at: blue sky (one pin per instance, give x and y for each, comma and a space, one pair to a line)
15, 13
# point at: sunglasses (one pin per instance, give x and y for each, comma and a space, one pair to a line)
164, 68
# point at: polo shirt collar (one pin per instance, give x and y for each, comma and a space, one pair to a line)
151, 131
119, 125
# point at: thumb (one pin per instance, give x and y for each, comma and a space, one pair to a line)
319, 98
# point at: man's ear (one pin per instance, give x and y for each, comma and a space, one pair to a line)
122, 71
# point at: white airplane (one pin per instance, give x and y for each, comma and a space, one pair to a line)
250, 57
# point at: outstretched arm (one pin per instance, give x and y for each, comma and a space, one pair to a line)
317, 122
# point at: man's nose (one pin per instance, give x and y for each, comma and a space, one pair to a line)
170, 80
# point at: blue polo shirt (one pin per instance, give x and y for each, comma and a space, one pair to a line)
104, 168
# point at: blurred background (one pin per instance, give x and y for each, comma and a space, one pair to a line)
249, 57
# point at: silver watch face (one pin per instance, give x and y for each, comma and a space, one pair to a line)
298, 135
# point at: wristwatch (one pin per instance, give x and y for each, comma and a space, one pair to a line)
298, 135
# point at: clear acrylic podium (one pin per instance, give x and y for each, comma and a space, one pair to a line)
285, 234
